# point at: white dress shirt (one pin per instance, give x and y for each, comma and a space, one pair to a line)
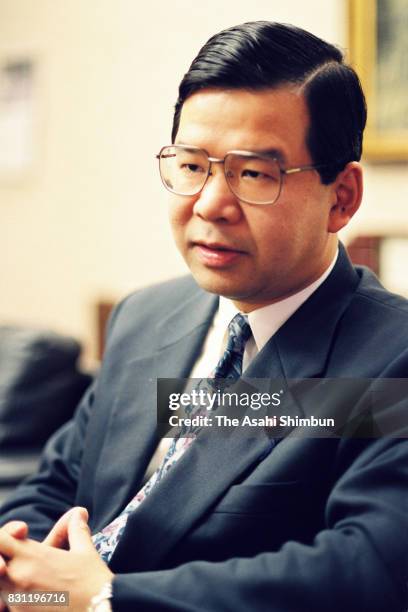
264, 323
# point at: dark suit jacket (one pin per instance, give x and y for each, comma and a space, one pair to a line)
315, 525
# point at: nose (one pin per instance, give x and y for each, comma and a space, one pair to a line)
216, 202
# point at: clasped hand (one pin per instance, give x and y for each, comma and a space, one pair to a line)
65, 561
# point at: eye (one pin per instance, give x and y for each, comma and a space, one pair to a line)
257, 175
256, 170
191, 168
252, 173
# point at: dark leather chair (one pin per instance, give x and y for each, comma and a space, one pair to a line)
40, 387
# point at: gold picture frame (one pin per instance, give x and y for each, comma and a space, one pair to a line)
378, 48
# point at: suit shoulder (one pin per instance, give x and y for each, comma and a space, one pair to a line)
169, 293
137, 313
373, 295
374, 331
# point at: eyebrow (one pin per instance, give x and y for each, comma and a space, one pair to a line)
275, 153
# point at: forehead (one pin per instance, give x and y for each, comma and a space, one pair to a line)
221, 120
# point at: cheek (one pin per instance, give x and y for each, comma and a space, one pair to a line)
176, 212
179, 214
280, 234
267, 227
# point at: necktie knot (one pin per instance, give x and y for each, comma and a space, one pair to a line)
230, 364
238, 333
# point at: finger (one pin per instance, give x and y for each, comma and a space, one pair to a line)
79, 535
3, 568
17, 529
6, 586
8, 544
58, 536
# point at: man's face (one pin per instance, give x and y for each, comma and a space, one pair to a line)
253, 254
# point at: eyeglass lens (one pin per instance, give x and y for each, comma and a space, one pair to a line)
251, 178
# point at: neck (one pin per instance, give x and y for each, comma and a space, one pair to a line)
247, 306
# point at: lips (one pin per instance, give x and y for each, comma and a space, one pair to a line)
217, 255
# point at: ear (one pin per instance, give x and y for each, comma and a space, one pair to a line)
347, 195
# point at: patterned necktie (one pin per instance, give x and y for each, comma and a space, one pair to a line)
229, 367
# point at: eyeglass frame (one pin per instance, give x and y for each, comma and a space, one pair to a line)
219, 160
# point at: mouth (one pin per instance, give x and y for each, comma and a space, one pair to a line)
216, 254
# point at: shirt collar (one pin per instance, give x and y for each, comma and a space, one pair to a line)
266, 321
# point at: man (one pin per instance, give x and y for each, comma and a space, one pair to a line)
263, 172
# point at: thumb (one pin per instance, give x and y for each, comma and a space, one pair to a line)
17, 529
58, 536
79, 534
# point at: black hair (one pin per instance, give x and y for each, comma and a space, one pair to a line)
261, 55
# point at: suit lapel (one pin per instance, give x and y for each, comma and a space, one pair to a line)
182, 498
300, 349
131, 433
305, 342
207, 469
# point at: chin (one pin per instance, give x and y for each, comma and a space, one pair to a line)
220, 284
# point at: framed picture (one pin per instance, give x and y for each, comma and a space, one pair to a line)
378, 47
17, 115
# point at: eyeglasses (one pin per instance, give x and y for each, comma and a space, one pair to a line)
253, 178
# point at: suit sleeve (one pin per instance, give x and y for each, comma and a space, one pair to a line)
44, 497
359, 562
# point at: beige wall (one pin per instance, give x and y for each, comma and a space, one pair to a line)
90, 220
